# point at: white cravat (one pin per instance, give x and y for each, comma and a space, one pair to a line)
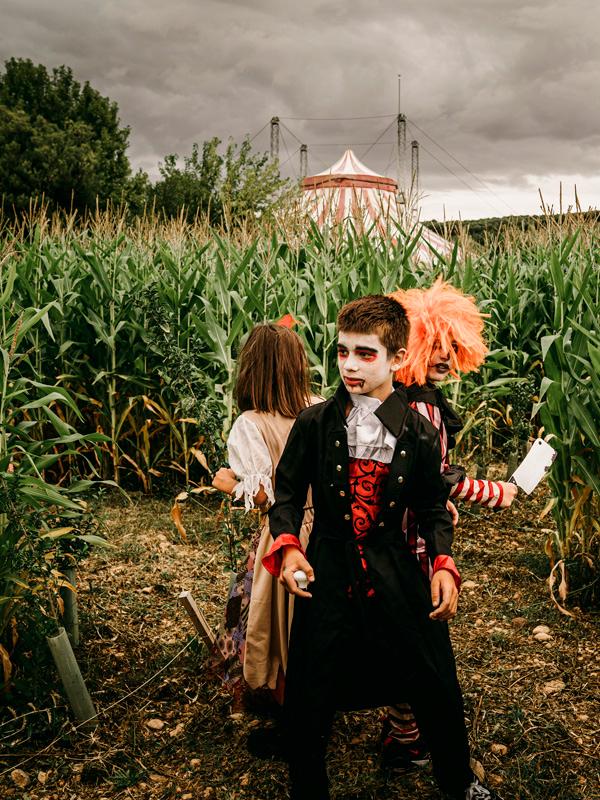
367, 435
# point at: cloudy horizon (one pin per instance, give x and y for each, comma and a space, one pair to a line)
505, 91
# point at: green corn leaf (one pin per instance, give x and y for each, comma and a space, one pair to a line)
9, 282
588, 424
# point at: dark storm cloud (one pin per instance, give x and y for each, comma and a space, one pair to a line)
509, 88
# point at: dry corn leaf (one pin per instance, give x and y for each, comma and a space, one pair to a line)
562, 588
177, 519
548, 507
200, 457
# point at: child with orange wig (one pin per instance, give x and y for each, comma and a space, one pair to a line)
446, 338
441, 318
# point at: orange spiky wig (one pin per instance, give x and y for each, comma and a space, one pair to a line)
444, 315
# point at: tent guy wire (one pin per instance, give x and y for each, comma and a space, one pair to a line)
460, 164
385, 130
288, 154
477, 192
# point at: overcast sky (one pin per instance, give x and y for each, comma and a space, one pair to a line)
509, 89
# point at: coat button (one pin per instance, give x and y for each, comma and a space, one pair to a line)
382, 524
342, 493
338, 467
347, 517
392, 503
402, 453
337, 442
400, 479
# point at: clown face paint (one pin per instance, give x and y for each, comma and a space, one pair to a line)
364, 364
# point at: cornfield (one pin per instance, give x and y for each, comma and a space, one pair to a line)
141, 326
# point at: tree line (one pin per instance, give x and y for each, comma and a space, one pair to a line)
62, 144
488, 230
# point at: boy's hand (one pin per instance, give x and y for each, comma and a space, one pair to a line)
451, 508
510, 491
444, 596
225, 480
294, 560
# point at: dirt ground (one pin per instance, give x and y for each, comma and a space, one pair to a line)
532, 706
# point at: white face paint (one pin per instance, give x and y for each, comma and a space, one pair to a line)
364, 364
440, 364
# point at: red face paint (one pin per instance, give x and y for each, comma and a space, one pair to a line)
365, 365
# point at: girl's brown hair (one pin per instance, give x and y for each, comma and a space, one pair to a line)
272, 372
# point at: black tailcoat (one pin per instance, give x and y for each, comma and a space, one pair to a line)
347, 649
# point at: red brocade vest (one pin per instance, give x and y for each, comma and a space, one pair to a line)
367, 481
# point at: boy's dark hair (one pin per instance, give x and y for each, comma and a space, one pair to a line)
272, 372
377, 313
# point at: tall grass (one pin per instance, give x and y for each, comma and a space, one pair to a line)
142, 323
43, 524
569, 408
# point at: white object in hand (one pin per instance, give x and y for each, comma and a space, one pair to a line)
300, 577
534, 466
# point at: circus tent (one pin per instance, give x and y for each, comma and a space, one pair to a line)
350, 192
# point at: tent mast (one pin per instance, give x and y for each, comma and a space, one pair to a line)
414, 180
401, 147
303, 160
275, 138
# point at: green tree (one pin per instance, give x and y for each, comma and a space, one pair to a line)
193, 187
226, 187
60, 140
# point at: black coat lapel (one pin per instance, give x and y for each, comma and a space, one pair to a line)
341, 398
393, 412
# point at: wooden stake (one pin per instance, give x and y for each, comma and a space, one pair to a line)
198, 620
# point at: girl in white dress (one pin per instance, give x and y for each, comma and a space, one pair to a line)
272, 387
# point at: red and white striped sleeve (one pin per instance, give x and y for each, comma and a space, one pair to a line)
434, 415
475, 490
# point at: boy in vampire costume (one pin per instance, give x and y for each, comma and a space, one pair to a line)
372, 630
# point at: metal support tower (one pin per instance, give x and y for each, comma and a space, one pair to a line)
414, 172
401, 158
303, 161
275, 138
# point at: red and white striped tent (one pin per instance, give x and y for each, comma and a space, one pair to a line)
350, 192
